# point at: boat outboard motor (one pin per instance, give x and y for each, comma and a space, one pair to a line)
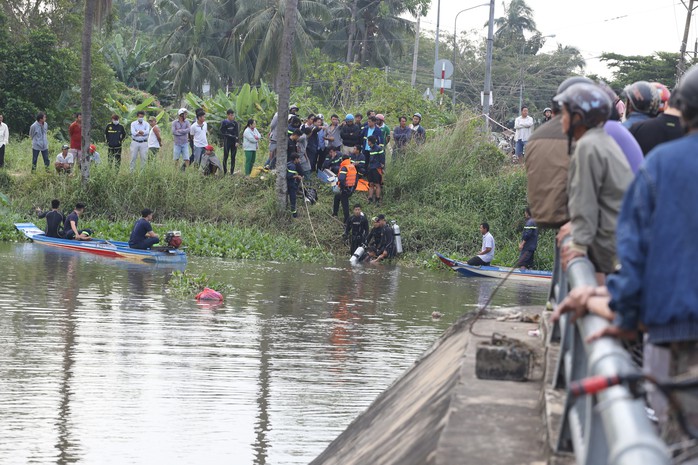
173, 239
356, 256
398, 239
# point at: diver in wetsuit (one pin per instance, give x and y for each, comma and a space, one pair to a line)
357, 227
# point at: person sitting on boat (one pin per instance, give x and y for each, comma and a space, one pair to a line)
484, 256
386, 247
529, 242
64, 160
142, 236
357, 228
54, 219
70, 227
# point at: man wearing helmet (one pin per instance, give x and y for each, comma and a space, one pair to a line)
664, 128
598, 176
641, 102
547, 114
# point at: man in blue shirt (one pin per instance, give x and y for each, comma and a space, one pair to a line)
376, 164
142, 236
529, 242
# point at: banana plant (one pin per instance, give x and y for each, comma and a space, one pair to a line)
128, 112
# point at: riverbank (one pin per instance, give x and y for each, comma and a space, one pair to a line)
439, 194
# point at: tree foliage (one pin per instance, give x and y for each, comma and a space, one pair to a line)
659, 67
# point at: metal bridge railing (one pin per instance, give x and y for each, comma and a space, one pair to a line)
611, 427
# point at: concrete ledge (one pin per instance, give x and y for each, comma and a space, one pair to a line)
440, 413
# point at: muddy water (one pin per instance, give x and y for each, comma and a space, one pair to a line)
99, 364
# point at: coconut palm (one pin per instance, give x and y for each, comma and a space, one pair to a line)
95, 12
517, 19
192, 45
260, 27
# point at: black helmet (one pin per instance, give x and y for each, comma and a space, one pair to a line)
588, 101
687, 96
642, 97
615, 116
565, 85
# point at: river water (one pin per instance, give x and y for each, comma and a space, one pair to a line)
99, 364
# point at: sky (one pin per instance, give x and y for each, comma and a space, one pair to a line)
628, 27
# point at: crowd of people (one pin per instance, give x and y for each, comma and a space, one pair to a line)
620, 194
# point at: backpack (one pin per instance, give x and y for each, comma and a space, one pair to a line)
310, 195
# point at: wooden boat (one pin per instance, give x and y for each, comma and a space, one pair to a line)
103, 247
469, 271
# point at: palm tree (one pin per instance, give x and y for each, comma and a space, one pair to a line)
192, 45
284, 89
260, 24
95, 12
517, 19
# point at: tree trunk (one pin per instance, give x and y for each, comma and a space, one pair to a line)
284, 80
352, 31
415, 54
86, 87
364, 41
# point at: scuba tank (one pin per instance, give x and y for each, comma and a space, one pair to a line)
358, 253
398, 239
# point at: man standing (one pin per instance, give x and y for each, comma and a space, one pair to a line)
664, 128
180, 131
54, 218
357, 228
376, 165
332, 135
154, 139
38, 132
371, 129
4, 139
402, 135
294, 174
70, 227
347, 183
230, 133
599, 174
484, 257
547, 114
75, 133
199, 131
529, 242
524, 127
140, 131
64, 161
641, 102
350, 133
419, 134
142, 235
115, 134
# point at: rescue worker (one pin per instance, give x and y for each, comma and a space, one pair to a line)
357, 228
529, 242
347, 183
359, 160
54, 219
376, 164
294, 174
386, 247
333, 162
373, 239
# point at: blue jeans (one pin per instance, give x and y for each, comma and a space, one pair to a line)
35, 157
520, 144
181, 151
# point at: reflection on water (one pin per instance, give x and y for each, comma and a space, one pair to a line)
99, 365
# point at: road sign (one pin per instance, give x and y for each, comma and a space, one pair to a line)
443, 65
446, 82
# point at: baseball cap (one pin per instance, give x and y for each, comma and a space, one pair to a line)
381, 216
93, 148
65, 147
209, 148
418, 115
349, 117
181, 110
380, 116
293, 107
375, 219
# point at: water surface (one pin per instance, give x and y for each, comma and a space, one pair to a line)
99, 364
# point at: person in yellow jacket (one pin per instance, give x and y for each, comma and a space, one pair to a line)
345, 186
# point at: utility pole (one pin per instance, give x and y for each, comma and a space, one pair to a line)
488, 67
681, 66
415, 55
438, 16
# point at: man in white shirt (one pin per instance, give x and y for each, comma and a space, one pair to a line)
484, 256
198, 131
524, 128
140, 130
4, 139
64, 160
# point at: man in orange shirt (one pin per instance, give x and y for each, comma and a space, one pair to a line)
75, 133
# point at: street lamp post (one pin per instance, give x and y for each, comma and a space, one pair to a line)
521, 84
455, 46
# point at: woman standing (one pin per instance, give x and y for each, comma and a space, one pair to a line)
250, 143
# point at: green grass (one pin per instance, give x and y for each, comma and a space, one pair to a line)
439, 194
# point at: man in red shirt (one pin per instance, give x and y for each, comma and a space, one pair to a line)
75, 133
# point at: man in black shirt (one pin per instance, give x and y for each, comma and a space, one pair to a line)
664, 128
54, 220
230, 132
70, 227
116, 134
386, 248
357, 226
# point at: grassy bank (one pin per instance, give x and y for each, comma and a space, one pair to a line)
438, 194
